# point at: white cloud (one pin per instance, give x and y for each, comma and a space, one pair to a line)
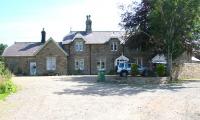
57, 20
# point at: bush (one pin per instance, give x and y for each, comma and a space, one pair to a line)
7, 87
78, 72
111, 72
134, 69
160, 70
5, 74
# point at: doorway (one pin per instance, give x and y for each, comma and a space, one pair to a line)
33, 68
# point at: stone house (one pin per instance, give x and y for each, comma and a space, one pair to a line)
80, 52
36, 58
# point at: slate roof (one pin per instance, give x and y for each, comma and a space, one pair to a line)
95, 37
23, 49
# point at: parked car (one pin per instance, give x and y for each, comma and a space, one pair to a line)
124, 69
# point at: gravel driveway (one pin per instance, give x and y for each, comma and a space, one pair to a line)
81, 98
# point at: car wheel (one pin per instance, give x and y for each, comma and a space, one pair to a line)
123, 74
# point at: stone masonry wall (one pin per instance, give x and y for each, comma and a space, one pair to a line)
18, 65
21, 65
187, 71
98, 51
51, 50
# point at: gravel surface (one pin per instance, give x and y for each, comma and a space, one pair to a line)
81, 98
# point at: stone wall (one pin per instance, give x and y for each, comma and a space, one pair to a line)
21, 65
136, 80
18, 65
186, 71
94, 52
91, 54
51, 50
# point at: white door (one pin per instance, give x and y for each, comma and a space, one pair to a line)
33, 68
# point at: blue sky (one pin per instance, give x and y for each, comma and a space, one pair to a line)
23, 20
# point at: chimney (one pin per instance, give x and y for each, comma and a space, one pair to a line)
43, 36
88, 24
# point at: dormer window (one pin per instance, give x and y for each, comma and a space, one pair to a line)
114, 46
79, 46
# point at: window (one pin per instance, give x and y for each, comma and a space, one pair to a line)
51, 63
79, 46
79, 64
121, 65
100, 65
113, 46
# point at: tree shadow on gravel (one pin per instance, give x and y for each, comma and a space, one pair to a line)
89, 86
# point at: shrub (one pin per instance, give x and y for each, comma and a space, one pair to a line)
7, 87
78, 72
134, 69
160, 69
5, 74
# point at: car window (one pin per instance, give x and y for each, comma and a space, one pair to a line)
126, 65
121, 65
129, 65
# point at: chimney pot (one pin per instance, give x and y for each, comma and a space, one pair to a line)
43, 36
88, 24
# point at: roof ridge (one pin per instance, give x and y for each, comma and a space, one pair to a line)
27, 42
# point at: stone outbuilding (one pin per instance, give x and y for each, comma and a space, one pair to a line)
36, 58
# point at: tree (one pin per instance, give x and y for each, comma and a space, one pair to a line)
172, 26
2, 48
176, 23
135, 22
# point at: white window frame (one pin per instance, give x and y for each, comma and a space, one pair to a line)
79, 46
100, 66
79, 64
51, 63
114, 46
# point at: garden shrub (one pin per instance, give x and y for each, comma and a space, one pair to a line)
78, 72
134, 69
111, 72
160, 70
6, 85
5, 74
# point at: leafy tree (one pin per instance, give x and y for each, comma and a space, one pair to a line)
176, 23
172, 26
2, 48
135, 22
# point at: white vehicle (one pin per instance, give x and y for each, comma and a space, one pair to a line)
124, 69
